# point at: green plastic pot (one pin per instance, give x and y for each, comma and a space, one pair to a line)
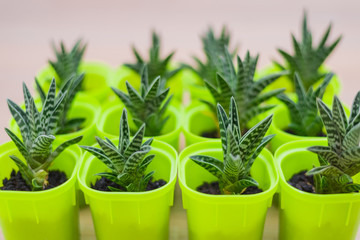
123, 74
50, 214
109, 122
225, 216
281, 121
132, 215
334, 87
313, 216
84, 106
96, 83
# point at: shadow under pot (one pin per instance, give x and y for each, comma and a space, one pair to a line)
132, 215
225, 216
313, 216
48, 214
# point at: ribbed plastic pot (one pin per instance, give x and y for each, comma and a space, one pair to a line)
123, 74
313, 216
96, 83
137, 215
84, 106
50, 214
281, 121
225, 216
334, 87
109, 122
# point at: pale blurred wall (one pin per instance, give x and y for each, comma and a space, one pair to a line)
111, 27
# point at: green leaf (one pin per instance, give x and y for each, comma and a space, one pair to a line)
25, 171
212, 165
100, 154
240, 186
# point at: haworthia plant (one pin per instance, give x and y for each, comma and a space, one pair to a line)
307, 59
305, 120
156, 65
340, 160
37, 129
149, 105
65, 125
67, 62
241, 85
127, 161
213, 47
239, 152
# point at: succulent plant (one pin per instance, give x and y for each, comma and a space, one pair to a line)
239, 152
37, 130
128, 161
67, 63
242, 87
305, 120
340, 160
71, 86
149, 105
213, 47
156, 65
307, 59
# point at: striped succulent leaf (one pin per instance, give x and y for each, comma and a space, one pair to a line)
340, 160
37, 131
305, 120
61, 105
67, 62
149, 105
307, 59
213, 47
156, 65
241, 85
128, 161
239, 152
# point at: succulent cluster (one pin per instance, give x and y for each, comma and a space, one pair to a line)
305, 120
156, 65
239, 151
128, 161
213, 47
241, 85
37, 129
149, 105
71, 86
307, 59
340, 160
67, 63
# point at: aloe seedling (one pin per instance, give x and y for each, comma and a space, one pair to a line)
239, 152
37, 130
67, 63
65, 125
147, 106
156, 65
213, 47
242, 87
307, 59
340, 160
127, 162
305, 120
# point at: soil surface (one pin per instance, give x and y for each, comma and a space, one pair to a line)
211, 134
17, 183
320, 134
303, 182
103, 183
214, 189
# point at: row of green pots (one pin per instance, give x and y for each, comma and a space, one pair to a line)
53, 214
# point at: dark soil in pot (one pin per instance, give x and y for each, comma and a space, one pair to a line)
17, 183
103, 183
303, 182
214, 189
321, 134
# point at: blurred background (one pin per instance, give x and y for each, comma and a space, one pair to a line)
111, 27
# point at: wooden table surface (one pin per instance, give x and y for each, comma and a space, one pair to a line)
110, 27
